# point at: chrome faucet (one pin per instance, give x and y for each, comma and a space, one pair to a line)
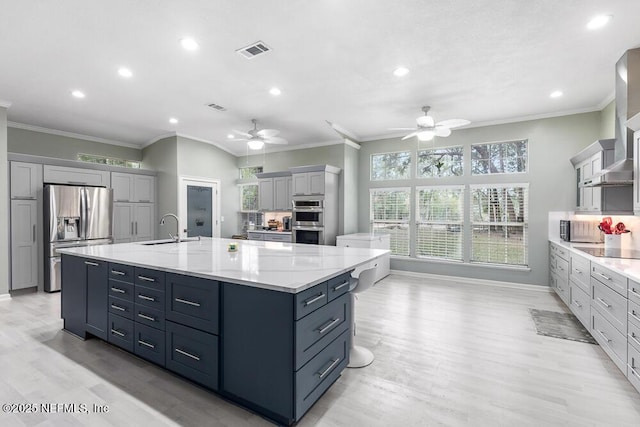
177, 236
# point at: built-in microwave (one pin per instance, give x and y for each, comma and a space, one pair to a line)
308, 212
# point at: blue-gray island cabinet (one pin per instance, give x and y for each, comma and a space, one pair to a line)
272, 351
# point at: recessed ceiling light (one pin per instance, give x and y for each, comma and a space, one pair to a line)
125, 72
599, 22
189, 43
556, 94
400, 71
231, 136
173, 121
275, 91
78, 94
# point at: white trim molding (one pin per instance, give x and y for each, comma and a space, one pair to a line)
74, 135
5, 104
5, 297
474, 281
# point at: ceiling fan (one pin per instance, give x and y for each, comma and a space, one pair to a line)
426, 127
257, 138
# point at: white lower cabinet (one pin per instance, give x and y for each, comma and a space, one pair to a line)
133, 222
24, 244
369, 241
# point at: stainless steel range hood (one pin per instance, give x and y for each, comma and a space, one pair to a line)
627, 105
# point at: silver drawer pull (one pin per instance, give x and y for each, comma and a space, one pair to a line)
184, 301
187, 354
315, 299
575, 301
632, 313
328, 326
603, 276
146, 344
329, 369
118, 273
118, 290
633, 290
94, 264
117, 332
144, 297
146, 279
633, 337
603, 335
340, 286
117, 307
144, 316
603, 302
561, 268
577, 271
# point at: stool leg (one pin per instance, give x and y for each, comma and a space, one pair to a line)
359, 357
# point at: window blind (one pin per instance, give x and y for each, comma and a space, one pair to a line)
440, 222
390, 212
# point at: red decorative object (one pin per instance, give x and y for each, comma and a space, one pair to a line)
606, 226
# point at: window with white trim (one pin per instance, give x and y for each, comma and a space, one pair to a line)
440, 222
249, 172
499, 157
499, 223
390, 213
248, 197
439, 162
390, 166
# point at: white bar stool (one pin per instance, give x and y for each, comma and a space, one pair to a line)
359, 357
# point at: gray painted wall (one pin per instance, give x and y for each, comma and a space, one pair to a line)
551, 185
201, 160
4, 206
161, 156
62, 147
608, 121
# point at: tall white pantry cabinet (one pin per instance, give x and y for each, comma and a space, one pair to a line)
133, 207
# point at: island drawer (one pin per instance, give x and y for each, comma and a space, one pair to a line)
633, 292
150, 278
310, 300
321, 371
149, 343
121, 290
633, 314
610, 304
193, 302
580, 304
149, 316
559, 251
562, 269
150, 297
315, 331
633, 367
615, 281
610, 339
192, 354
579, 274
633, 334
121, 272
339, 285
121, 307
121, 332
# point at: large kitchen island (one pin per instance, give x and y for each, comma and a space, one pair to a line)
267, 326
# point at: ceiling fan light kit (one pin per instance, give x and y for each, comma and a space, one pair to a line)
255, 144
426, 128
256, 139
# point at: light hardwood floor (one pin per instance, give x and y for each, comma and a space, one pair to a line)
447, 353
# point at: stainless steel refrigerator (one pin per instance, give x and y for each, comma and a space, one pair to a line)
74, 216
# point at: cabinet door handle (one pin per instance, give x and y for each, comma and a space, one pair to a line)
144, 316
117, 307
194, 357
632, 313
117, 332
328, 326
575, 301
603, 302
330, 368
633, 337
93, 264
146, 344
341, 285
314, 299
118, 273
633, 290
603, 335
603, 276
118, 290
633, 371
146, 298
34, 233
136, 227
146, 279
184, 301
132, 228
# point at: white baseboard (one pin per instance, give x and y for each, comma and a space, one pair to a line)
473, 281
5, 297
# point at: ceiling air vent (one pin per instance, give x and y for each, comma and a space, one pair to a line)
253, 50
217, 107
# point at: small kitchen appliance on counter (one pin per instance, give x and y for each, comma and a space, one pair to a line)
580, 231
286, 223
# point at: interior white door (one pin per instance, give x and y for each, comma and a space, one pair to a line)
198, 207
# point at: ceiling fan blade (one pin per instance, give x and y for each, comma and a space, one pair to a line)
268, 133
276, 140
240, 139
425, 121
453, 123
401, 128
442, 131
410, 135
239, 132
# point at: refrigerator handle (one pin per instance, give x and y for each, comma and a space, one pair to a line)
83, 214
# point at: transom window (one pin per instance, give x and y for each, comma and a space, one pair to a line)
250, 172
389, 166
102, 160
440, 162
499, 157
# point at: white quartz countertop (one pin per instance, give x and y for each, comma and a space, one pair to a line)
628, 267
285, 267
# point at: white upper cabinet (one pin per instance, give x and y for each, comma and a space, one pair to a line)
76, 176
282, 193
128, 187
26, 180
265, 192
144, 188
122, 184
308, 183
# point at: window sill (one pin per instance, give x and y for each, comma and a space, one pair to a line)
459, 263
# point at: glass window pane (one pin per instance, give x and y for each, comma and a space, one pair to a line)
499, 157
440, 162
389, 166
440, 222
390, 215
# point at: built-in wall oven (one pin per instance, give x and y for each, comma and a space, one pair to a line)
308, 235
307, 218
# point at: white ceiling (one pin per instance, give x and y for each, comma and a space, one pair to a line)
483, 60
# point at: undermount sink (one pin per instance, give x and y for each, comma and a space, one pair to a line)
165, 242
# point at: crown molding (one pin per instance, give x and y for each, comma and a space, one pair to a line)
352, 144
5, 104
215, 144
74, 135
607, 100
158, 138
